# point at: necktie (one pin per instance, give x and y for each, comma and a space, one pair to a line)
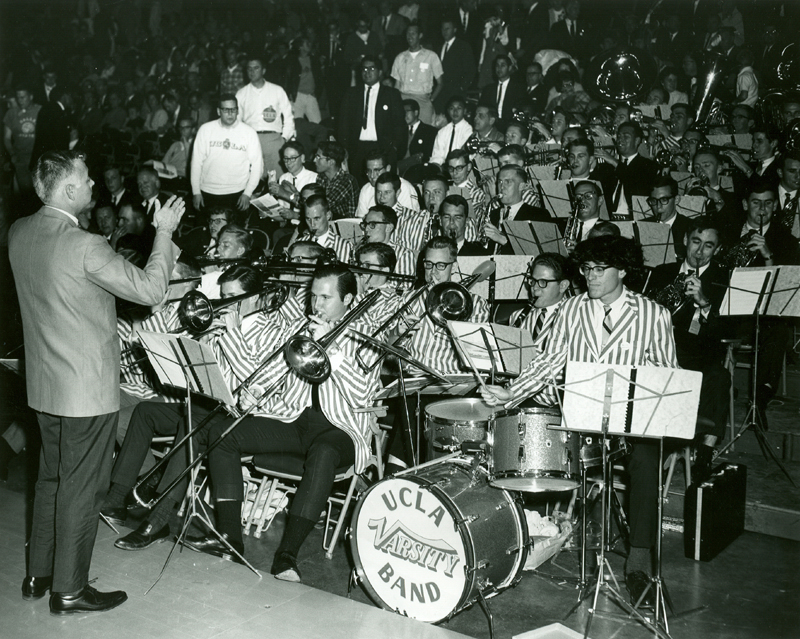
537, 328
386, 23
499, 95
452, 137
787, 202
366, 108
571, 29
620, 170
464, 20
608, 326
445, 50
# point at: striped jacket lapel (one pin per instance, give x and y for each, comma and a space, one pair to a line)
629, 314
587, 327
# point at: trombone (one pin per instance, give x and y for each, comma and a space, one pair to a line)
305, 356
445, 301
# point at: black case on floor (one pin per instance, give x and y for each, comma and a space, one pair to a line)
713, 512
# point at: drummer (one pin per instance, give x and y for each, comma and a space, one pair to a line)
609, 324
430, 344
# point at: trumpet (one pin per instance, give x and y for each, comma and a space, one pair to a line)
481, 147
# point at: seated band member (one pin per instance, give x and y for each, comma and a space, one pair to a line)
587, 198
379, 225
663, 201
429, 343
377, 256
152, 419
509, 182
316, 421
609, 324
454, 223
583, 165
233, 242
318, 217
695, 322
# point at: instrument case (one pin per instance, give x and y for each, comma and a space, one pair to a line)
714, 512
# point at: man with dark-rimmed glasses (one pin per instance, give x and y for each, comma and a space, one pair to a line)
609, 324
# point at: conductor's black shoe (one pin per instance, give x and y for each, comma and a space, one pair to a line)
116, 516
284, 567
210, 545
143, 537
637, 582
87, 600
36, 587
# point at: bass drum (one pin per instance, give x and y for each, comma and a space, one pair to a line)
451, 422
427, 542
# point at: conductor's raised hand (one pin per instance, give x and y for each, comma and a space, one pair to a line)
167, 218
495, 395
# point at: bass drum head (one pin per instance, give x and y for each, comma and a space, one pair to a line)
409, 550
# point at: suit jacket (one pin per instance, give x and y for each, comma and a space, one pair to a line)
195, 243
459, 69
393, 39
526, 213
642, 335
515, 98
560, 38
679, 228
422, 142
474, 248
390, 123
537, 99
67, 280
637, 177
53, 125
706, 343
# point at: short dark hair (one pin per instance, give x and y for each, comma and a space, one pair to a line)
218, 210
771, 132
618, 252
456, 200
686, 107
521, 173
411, 104
389, 178
385, 253
227, 97
371, 58
789, 155
457, 154
51, 169
293, 144
635, 128
345, 280
388, 213
582, 141
376, 154
333, 150
561, 266
512, 149
522, 128
491, 108
242, 236
605, 227
456, 98
595, 187
442, 242
758, 184
665, 181
148, 170
704, 223
248, 277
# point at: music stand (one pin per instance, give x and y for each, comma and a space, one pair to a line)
755, 291
184, 363
646, 401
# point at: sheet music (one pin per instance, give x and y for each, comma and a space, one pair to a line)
664, 400
785, 298
206, 371
165, 362
745, 287
349, 229
469, 337
268, 205
655, 239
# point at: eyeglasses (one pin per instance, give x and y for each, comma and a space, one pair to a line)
371, 225
234, 110
290, 158
458, 167
585, 196
661, 201
597, 271
320, 157
540, 282
440, 266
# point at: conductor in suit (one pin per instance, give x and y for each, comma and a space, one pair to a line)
67, 281
372, 116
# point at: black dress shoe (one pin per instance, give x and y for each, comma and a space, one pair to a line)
116, 516
143, 537
210, 545
36, 587
284, 567
87, 600
637, 582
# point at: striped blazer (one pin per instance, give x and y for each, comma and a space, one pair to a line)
348, 387
406, 259
413, 228
642, 336
341, 247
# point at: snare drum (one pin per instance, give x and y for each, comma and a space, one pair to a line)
452, 421
524, 454
426, 542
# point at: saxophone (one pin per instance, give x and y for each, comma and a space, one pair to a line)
574, 228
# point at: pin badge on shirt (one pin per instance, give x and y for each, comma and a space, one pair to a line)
270, 114
385, 107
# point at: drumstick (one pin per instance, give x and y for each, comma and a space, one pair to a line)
474, 369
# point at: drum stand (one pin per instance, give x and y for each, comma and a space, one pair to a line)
601, 582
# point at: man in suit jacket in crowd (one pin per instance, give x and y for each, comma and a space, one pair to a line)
421, 136
67, 281
458, 64
372, 116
